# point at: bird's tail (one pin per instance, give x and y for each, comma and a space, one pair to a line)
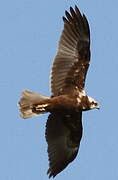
32, 104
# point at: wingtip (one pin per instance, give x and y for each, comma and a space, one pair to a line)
72, 10
76, 7
71, 13
64, 19
50, 174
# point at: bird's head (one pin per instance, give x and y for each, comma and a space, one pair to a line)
93, 103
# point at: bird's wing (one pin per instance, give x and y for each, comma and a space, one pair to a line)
72, 60
63, 135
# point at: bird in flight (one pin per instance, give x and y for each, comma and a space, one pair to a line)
68, 99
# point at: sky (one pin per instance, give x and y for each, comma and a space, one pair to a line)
29, 34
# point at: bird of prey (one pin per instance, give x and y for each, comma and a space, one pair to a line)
68, 99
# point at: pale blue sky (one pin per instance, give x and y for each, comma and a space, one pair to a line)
29, 34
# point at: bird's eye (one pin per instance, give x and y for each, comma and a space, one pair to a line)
95, 104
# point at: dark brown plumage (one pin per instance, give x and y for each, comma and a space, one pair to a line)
68, 100
63, 140
72, 60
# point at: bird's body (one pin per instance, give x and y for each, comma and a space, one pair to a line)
64, 103
68, 100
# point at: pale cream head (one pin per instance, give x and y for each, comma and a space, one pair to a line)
93, 103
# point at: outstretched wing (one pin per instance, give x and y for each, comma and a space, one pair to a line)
72, 60
63, 135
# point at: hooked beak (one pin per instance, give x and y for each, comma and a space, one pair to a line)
98, 106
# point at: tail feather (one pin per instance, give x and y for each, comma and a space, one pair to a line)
28, 102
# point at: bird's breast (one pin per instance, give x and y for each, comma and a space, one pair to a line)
65, 103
